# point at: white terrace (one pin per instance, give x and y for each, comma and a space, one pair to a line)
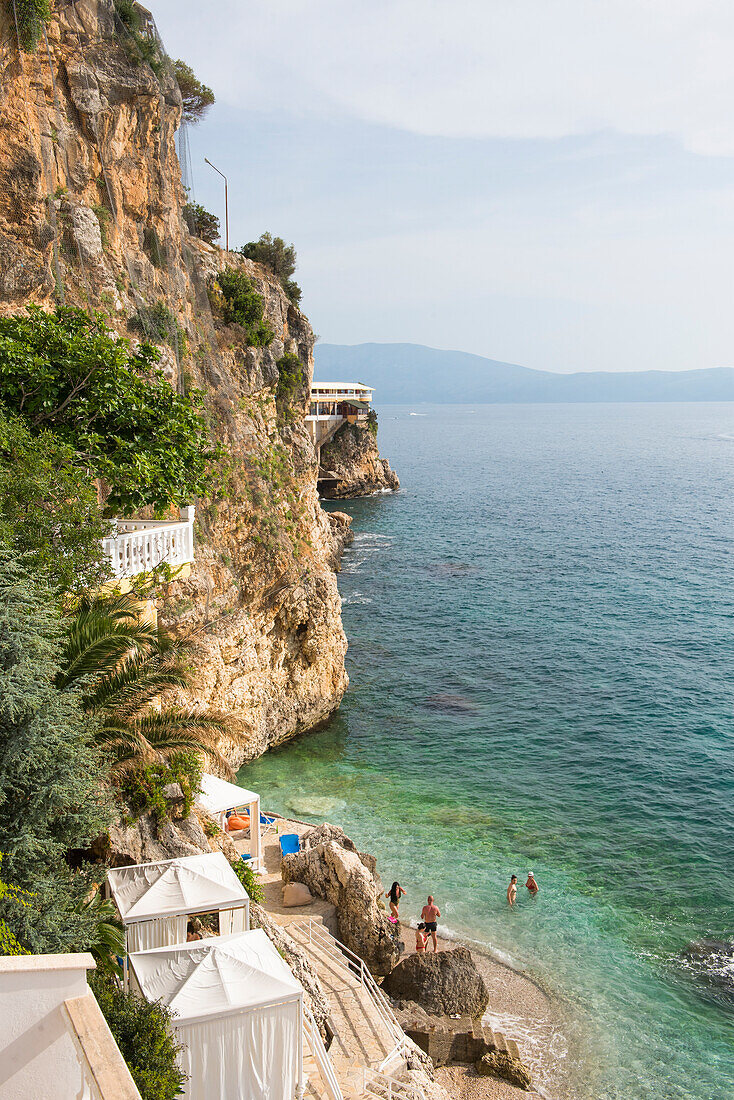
334, 402
140, 545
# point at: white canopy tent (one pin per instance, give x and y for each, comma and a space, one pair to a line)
155, 899
218, 796
238, 1013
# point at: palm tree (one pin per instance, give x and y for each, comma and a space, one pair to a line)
109, 933
122, 666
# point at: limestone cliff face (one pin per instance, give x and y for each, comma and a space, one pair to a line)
91, 214
351, 465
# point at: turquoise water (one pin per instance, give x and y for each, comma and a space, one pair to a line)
542, 677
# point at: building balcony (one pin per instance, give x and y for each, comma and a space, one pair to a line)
140, 545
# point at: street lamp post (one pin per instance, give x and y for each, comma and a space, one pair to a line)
226, 203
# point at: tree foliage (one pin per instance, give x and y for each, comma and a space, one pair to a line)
31, 18
242, 305
143, 1032
48, 507
201, 223
64, 371
197, 97
51, 776
279, 257
123, 666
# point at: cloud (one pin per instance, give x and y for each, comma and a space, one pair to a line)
472, 68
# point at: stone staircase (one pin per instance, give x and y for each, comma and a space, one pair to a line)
365, 1036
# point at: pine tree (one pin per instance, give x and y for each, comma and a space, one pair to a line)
50, 775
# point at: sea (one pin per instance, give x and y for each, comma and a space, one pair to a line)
541, 657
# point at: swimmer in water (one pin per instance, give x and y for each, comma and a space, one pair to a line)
532, 885
512, 891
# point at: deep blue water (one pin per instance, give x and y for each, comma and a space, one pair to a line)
541, 657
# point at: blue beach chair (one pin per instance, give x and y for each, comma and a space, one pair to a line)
290, 844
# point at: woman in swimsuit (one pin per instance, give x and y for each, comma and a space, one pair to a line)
420, 937
532, 885
395, 893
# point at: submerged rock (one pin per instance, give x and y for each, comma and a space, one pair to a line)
332, 868
447, 982
712, 963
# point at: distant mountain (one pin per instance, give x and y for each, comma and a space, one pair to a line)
403, 374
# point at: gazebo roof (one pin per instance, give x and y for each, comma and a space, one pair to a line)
190, 884
218, 795
215, 977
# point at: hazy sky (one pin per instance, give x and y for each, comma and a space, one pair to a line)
550, 184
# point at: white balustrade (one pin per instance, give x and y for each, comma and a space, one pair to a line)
138, 546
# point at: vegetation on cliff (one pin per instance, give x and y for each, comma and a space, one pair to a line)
240, 304
201, 223
31, 17
197, 97
48, 507
65, 371
280, 257
122, 666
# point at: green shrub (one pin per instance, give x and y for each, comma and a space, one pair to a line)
104, 217
160, 325
290, 382
65, 372
48, 507
32, 17
197, 97
201, 223
154, 248
248, 878
242, 305
143, 1032
279, 257
372, 422
142, 789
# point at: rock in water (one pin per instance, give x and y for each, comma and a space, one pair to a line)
499, 1063
444, 983
712, 962
332, 868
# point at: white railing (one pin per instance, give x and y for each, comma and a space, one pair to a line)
321, 1054
138, 546
383, 1087
341, 954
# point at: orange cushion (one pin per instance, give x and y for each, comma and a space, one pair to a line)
237, 822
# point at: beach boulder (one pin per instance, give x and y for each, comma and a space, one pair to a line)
502, 1064
332, 868
446, 983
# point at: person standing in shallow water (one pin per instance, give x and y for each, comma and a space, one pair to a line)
532, 885
512, 891
429, 915
395, 893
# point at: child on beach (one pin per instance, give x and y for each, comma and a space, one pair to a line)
395, 893
421, 938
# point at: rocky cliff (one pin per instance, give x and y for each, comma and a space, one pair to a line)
351, 465
91, 205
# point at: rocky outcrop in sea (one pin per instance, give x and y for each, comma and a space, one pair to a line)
351, 465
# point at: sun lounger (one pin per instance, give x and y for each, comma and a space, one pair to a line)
290, 844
